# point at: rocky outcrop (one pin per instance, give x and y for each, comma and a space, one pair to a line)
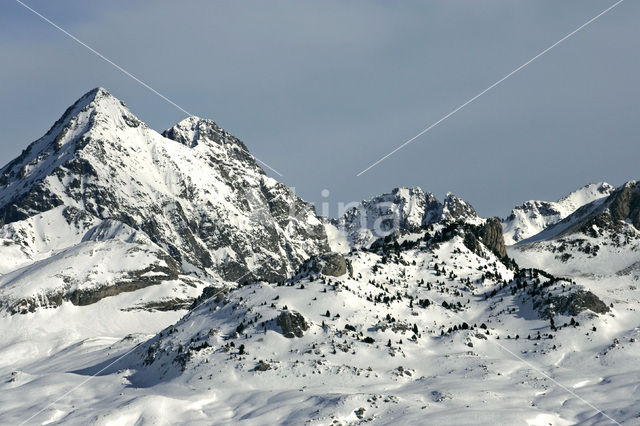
335, 265
209, 292
454, 208
292, 324
262, 366
491, 236
625, 205
331, 264
573, 304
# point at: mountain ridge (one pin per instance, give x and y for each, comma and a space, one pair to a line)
532, 217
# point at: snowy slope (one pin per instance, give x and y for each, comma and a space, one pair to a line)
416, 333
532, 217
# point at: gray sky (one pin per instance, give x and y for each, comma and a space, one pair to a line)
320, 90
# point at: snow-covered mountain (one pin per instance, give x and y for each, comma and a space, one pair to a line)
533, 216
599, 240
189, 287
194, 202
401, 210
619, 213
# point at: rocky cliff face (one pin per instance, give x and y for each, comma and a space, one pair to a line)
625, 204
491, 236
454, 208
330, 264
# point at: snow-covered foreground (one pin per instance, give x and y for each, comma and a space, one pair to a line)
447, 386
196, 372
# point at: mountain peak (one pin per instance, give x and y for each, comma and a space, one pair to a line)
586, 194
408, 192
455, 208
97, 93
205, 135
96, 107
92, 95
97, 113
402, 209
95, 97
191, 130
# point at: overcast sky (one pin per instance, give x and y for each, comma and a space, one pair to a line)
320, 90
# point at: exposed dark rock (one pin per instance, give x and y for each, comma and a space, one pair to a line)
208, 292
175, 304
625, 204
573, 304
472, 243
335, 265
491, 236
134, 281
292, 324
263, 366
332, 264
39, 199
453, 208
